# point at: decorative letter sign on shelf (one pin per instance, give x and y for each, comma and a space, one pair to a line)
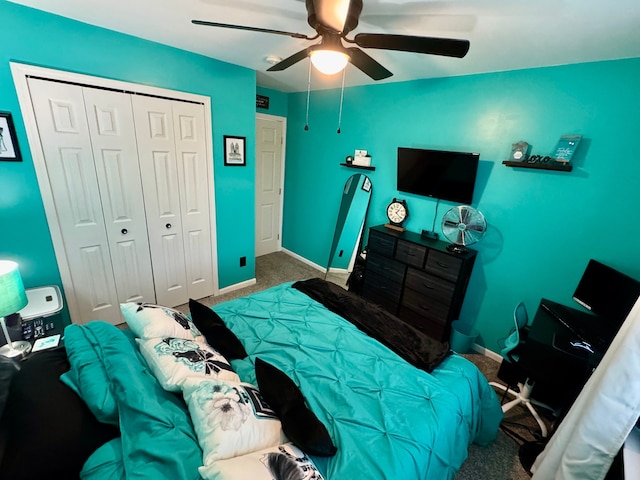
540, 166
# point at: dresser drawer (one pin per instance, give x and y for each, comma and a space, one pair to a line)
386, 267
411, 253
381, 291
381, 243
446, 266
425, 306
430, 286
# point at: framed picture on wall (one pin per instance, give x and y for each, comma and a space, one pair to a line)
235, 151
9, 151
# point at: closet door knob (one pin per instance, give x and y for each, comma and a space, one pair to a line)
124, 231
168, 225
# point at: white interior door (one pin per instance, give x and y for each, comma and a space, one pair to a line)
158, 166
115, 153
269, 145
66, 144
189, 128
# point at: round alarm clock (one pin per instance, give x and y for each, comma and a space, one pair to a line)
397, 212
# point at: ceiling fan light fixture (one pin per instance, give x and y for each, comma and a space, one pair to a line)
329, 62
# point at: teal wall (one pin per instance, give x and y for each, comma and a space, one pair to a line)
278, 102
33, 37
543, 226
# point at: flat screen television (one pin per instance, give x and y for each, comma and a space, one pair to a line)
607, 292
437, 173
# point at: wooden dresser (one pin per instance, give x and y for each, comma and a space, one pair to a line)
417, 279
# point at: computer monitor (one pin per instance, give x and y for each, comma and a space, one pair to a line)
607, 292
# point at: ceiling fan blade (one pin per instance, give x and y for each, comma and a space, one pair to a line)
252, 29
447, 47
367, 64
292, 60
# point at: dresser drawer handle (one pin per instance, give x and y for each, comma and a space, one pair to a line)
425, 307
443, 265
429, 286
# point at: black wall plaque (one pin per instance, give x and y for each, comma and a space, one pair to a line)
262, 102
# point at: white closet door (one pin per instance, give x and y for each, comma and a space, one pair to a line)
115, 152
189, 128
158, 166
64, 135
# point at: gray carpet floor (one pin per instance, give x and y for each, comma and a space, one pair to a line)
497, 461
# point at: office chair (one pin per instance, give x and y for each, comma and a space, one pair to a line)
509, 354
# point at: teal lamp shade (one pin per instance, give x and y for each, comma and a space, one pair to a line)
12, 295
12, 299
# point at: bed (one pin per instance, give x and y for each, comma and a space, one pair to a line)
296, 381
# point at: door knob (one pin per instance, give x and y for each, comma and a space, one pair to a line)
168, 225
124, 231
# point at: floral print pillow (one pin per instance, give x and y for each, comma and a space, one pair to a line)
172, 360
230, 418
284, 462
147, 320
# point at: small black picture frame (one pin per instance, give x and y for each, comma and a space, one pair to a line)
9, 150
235, 151
366, 184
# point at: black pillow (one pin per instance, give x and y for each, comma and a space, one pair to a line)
299, 423
215, 331
50, 430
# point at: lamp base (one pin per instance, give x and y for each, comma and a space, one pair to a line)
20, 348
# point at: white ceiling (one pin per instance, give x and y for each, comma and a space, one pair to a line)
504, 34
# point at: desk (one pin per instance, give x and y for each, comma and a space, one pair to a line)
559, 370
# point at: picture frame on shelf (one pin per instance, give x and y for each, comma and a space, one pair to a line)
9, 150
235, 151
519, 152
565, 148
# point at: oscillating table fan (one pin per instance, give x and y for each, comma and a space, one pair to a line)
463, 226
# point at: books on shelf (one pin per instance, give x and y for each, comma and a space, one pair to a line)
565, 148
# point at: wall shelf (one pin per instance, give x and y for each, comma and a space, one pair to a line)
539, 166
361, 167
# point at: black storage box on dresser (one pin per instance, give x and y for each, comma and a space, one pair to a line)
417, 279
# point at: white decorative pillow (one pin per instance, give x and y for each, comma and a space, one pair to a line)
172, 360
264, 465
230, 418
147, 320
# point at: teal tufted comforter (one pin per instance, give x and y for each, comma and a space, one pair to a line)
389, 420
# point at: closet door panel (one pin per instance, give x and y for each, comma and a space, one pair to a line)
195, 204
156, 147
66, 144
115, 151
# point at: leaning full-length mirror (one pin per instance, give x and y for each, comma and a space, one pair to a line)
349, 227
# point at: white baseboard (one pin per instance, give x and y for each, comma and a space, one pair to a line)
237, 286
486, 352
304, 260
340, 271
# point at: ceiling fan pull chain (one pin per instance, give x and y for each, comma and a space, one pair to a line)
306, 123
344, 72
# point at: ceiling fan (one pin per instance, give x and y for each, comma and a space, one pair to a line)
333, 20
